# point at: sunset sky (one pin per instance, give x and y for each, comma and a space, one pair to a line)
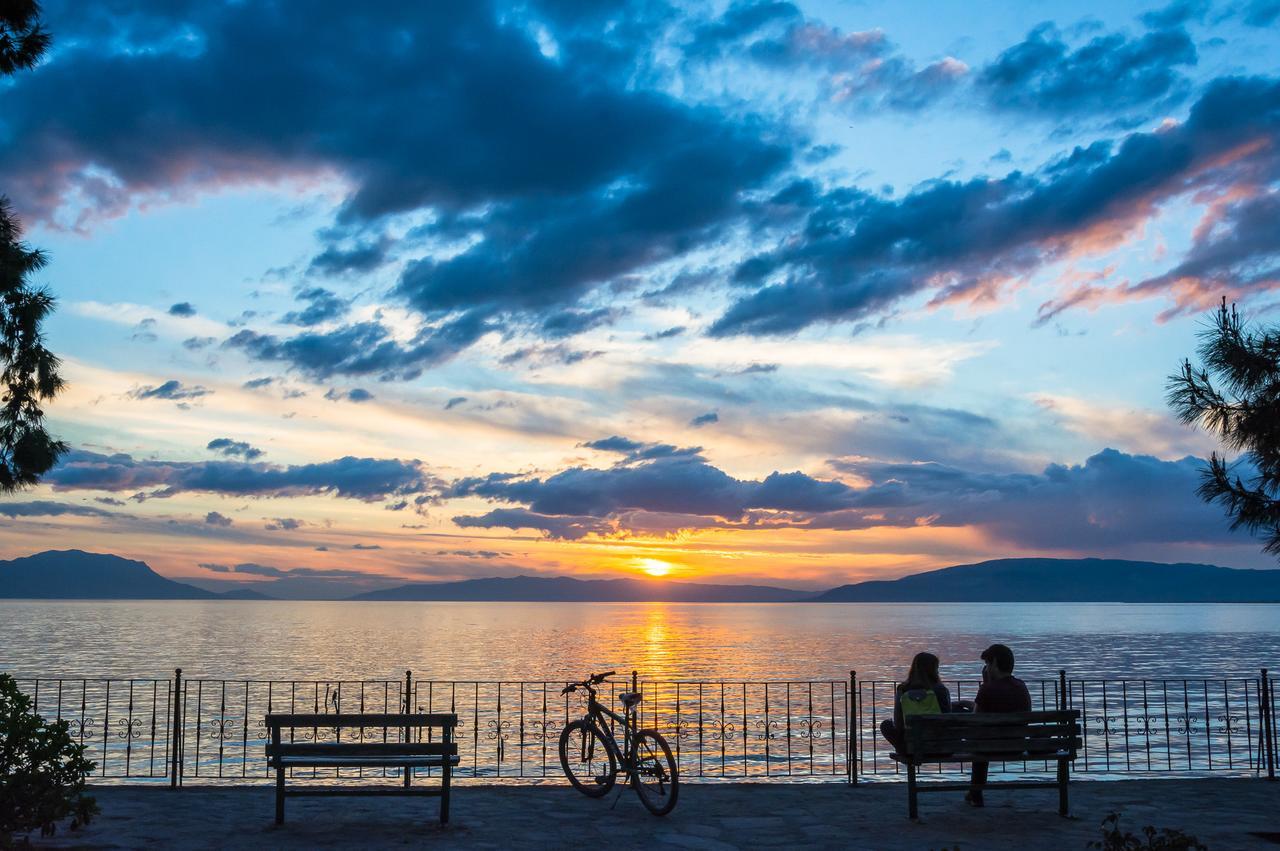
803, 294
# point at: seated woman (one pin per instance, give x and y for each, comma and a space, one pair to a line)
922, 693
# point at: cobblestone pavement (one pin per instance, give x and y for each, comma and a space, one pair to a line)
1225, 814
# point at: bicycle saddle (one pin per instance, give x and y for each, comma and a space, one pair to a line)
630, 698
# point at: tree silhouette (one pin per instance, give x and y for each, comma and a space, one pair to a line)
1243, 410
22, 39
28, 371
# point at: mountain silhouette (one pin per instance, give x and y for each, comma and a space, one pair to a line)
77, 575
1051, 580
566, 589
73, 574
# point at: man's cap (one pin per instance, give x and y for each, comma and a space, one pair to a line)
1000, 655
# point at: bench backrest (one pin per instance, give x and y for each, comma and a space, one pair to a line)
285, 720
1052, 733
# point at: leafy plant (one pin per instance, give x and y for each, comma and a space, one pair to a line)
1164, 839
42, 770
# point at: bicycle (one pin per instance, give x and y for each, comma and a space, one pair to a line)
591, 756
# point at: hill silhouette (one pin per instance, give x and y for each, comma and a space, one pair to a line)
567, 589
1086, 580
74, 574
78, 575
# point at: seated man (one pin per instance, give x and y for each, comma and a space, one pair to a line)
1001, 691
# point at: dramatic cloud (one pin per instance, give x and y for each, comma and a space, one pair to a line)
569, 177
1112, 500
857, 253
669, 484
366, 479
213, 518
1110, 73
234, 448
861, 70
364, 348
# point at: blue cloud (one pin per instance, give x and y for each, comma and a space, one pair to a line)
1110, 73
172, 389
366, 479
854, 253
182, 308
234, 448
322, 306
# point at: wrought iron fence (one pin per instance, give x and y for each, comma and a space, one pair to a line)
207, 730
1129, 727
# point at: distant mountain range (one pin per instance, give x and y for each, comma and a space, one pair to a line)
72, 574
564, 589
1053, 580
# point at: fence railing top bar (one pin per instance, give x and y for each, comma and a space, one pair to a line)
740, 682
57, 678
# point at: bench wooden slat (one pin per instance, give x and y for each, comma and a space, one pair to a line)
1048, 716
343, 719
992, 746
368, 749
333, 761
967, 756
973, 732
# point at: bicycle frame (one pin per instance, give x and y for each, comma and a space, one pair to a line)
606, 720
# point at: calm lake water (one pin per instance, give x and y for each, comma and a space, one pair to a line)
557, 641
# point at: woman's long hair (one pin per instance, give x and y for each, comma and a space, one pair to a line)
923, 673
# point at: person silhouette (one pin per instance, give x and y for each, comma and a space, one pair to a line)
921, 693
1000, 691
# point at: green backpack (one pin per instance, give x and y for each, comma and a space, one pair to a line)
919, 702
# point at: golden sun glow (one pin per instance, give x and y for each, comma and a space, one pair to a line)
654, 567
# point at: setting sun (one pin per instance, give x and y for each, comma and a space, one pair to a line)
654, 567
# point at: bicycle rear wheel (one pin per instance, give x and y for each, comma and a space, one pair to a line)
654, 775
587, 761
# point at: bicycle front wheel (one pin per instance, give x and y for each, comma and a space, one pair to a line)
654, 774
587, 761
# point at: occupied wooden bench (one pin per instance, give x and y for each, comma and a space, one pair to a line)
1048, 736
406, 754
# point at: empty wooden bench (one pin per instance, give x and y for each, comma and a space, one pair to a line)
1048, 736
284, 754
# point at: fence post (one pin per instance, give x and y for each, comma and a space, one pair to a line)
1268, 725
635, 681
175, 761
408, 688
1062, 688
851, 729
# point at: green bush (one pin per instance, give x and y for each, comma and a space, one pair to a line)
1164, 839
42, 770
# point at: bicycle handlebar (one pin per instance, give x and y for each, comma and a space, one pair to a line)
593, 680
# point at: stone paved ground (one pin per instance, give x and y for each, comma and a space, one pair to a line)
1223, 813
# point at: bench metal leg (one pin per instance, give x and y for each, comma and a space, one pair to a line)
912, 794
1063, 773
280, 795
444, 790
